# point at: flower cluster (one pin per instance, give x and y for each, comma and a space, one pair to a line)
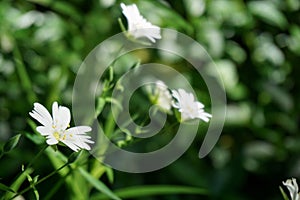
183, 101
56, 127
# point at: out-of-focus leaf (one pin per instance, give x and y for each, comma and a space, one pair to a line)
294, 40
293, 4
233, 12
214, 38
167, 15
236, 53
195, 7
110, 174
267, 51
268, 13
238, 114
256, 153
279, 95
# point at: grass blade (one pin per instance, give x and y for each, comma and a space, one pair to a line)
149, 190
98, 185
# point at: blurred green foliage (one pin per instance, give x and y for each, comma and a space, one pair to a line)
255, 45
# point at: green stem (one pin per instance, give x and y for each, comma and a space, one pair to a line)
56, 186
40, 181
122, 26
36, 156
24, 171
109, 125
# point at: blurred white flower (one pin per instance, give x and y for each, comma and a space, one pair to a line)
161, 96
292, 186
138, 26
188, 107
55, 127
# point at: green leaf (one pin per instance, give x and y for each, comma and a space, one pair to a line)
268, 13
6, 188
98, 185
35, 138
150, 190
11, 143
285, 197
110, 174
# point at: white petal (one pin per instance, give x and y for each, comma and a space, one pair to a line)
199, 105
206, 119
175, 95
62, 116
51, 141
65, 117
71, 145
43, 130
188, 106
79, 130
82, 143
55, 112
41, 114
295, 184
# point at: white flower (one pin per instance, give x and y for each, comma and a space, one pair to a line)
188, 107
162, 96
292, 186
138, 26
55, 127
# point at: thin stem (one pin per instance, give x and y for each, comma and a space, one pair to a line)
122, 26
109, 125
36, 156
32, 161
40, 181
57, 186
